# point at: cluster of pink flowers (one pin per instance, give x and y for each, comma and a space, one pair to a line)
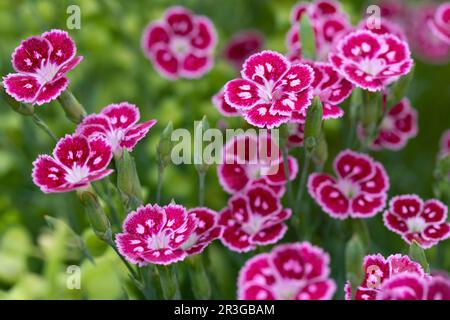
41, 63
181, 44
164, 235
295, 271
398, 278
84, 157
273, 90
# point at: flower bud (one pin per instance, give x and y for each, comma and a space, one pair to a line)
417, 254
128, 181
164, 148
199, 162
96, 216
354, 256
201, 286
307, 38
73, 109
320, 154
313, 125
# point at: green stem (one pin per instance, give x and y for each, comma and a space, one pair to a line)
201, 188
302, 182
286, 172
127, 264
41, 124
160, 182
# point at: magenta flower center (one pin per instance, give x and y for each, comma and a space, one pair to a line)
416, 224
77, 174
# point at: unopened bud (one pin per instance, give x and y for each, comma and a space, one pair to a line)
96, 216
73, 109
164, 148
313, 125
128, 181
199, 162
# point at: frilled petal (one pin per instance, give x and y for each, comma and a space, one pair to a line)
22, 87
72, 150
265, 66
146, 220
260, 116
353, 166
48, 174
63, 47
31, 54
51, 90
241, 94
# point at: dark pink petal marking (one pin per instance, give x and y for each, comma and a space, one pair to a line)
72, 150
353, 166
180, 20
260, 116
51, 90
21, 87
31, 54
265, 66
241, 94
195, 65
121, 116
205, 37
63, 47
48, 174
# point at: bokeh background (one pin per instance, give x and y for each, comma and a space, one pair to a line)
35, 252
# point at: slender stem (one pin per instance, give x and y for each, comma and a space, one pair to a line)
160, 182
286, 172
41, 124
201, 188
351, 135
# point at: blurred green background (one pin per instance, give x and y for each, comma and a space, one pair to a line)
34, 254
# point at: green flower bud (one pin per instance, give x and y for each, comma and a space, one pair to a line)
354, 256
96, 216
417, 254
73, 109
320, 154
199, 162
307, 38
164, 148
128, 181
313, 125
